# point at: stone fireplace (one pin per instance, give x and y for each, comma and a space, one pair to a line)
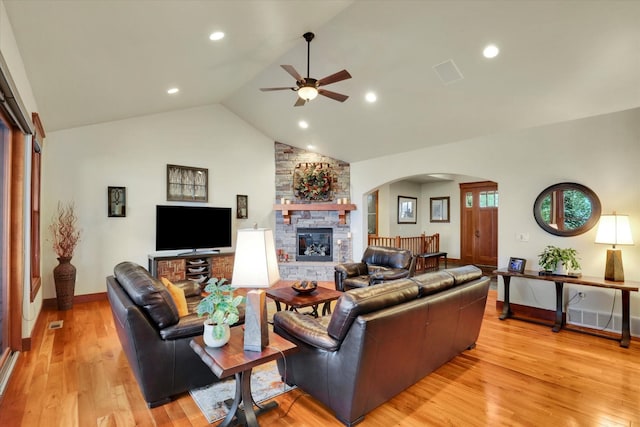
314, 244
287, 232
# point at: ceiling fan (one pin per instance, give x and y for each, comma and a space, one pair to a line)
308, 88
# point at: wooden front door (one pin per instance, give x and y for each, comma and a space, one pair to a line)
479, 223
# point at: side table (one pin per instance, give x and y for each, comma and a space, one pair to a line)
294, 300
231, 359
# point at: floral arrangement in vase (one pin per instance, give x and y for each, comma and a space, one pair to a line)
65, 234
559, 260
220, 307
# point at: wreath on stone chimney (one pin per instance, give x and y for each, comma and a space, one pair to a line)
313, 181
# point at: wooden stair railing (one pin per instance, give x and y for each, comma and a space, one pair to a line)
416, 244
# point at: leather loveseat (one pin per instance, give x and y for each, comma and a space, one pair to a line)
382, 339
155, 340
379, 264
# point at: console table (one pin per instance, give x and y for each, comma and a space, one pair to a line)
625, 287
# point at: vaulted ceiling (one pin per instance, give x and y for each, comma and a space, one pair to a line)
103, 60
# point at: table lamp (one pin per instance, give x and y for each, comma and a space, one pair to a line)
614, 229
255, 266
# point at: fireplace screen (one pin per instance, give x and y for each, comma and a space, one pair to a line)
314, 244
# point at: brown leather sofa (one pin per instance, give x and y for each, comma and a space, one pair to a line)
379, 264
155, 340
382, 339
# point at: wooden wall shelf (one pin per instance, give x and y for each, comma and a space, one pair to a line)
342, 209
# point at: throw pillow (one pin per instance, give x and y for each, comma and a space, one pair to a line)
178, 297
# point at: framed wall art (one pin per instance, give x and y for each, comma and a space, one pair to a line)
407, 207
439, 208
187, 184
117, 201
242, 206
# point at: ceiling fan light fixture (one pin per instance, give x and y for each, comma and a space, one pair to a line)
307, 93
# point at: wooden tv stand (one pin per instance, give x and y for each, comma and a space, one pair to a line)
198, 267
625, 287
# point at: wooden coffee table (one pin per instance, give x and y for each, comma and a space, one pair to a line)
294, 300
231, 359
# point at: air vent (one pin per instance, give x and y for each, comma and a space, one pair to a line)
56, 324
448, 72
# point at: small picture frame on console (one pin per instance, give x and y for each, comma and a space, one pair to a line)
516, 265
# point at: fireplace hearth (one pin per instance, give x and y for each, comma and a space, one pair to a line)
314, 244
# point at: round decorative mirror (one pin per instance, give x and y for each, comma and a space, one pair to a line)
567, 209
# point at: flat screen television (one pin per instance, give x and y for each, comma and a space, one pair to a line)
192, 227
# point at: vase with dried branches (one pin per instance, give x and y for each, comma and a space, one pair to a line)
65, 236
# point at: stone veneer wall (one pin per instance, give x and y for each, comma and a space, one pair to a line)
286, 158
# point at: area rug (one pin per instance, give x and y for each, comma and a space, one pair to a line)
265, 384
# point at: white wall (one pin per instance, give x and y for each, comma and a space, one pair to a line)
407, 189
79, 164
449, 231
599, 152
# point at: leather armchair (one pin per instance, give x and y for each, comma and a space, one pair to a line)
379, 264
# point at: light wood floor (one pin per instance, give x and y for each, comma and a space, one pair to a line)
520, 374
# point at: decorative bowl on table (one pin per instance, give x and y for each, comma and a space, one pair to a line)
305, 287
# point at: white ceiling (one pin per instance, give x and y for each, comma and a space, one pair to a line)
103, 60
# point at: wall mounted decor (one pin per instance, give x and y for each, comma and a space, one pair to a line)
117, 201
439, 209
187, 184
313, 181
407, 207
567, 209
242, 206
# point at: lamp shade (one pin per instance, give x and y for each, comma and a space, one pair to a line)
614, 230
255, 264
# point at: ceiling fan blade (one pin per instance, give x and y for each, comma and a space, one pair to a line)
339, 76
292, 71
333, 95
267, 89
300, 102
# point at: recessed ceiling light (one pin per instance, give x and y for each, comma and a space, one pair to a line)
491, 51
173, 90
217, 35
371, 97
303, 124
311, 147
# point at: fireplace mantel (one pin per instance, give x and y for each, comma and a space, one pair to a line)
342, 209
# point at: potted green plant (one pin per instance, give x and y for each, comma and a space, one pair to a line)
65, 236
559, 260
220, 307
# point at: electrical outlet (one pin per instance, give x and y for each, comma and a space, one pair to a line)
522, 237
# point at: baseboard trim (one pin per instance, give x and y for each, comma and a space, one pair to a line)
51, 303
531, 313
548, 317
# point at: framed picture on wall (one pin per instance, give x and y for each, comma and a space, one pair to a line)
439, 207
242, 206
407, 207
117, 201
187, 184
